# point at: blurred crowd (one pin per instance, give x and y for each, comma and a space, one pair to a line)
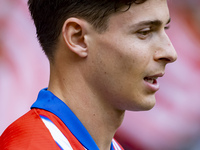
173, 124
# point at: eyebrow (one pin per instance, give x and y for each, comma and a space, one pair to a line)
150, 22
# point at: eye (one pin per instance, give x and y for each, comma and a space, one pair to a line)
144, 33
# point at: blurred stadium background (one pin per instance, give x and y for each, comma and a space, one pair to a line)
173, 124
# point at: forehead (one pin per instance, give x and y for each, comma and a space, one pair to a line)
149, 10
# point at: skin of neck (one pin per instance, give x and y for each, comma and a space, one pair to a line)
67, 82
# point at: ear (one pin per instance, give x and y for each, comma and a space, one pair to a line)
74, 31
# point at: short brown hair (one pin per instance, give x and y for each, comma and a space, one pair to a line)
50, 15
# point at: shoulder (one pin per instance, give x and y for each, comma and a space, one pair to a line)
27, 132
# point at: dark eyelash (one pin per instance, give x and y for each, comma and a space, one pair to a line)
145, 32
167, 27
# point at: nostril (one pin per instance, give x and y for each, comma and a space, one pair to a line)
165, 59
169, 59
166, 54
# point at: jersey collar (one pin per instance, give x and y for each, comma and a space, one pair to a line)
48, 101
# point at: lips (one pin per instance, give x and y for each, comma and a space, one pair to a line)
151, 82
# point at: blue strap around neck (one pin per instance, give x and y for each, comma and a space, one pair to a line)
49, 102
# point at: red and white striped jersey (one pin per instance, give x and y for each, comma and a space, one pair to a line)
50, 124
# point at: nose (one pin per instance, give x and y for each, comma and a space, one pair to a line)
165, 51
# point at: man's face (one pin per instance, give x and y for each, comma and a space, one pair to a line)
126, 60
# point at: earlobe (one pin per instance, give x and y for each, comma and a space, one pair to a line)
74, 36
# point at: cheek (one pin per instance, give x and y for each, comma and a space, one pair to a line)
120, 58
116, 73
117, 58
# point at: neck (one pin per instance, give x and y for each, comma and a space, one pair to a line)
99, 118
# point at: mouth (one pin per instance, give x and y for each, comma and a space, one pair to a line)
152, 83
151, 80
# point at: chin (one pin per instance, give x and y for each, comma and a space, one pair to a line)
149, 107
145, 105
148, 104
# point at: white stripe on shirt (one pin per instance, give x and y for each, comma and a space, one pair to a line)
116, 146
57, 135
60, 139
